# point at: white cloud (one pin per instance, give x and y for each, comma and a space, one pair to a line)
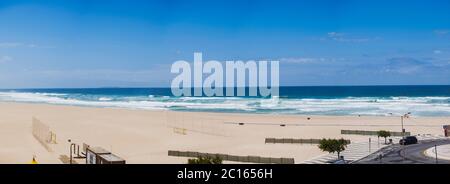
437, 51
441, 32
10, 44
4, 59
341, 37
407, 65
17, 44
301, 60
335, 34
306, 60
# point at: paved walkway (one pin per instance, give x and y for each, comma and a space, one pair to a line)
443, 152
359, 150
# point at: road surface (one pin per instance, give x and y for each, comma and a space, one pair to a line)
409, 154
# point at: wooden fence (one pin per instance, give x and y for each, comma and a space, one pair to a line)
294, 141
372, 133
234, 158
42, 133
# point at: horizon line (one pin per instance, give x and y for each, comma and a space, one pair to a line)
160, 87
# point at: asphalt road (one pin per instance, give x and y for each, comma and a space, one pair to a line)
409, 154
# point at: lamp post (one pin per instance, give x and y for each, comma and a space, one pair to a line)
402, 117
403, 133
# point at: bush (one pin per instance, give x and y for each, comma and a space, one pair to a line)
205, 160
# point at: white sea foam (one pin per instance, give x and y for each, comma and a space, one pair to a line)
104, 99
419, 106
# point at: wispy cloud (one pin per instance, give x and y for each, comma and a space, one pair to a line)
301, 60
4, 59
441, 32
437, 51
408, 65
20, 45
342, 37
309, 60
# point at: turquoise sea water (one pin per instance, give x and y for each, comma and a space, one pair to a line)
327, 100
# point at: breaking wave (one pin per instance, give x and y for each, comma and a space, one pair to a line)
376, 106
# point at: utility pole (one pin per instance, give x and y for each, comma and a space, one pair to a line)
403, 129
403, 140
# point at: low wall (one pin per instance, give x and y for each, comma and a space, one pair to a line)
372, 133
234, 158
294, 141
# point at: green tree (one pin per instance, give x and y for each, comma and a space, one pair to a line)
205, 160
385, 134
333, 145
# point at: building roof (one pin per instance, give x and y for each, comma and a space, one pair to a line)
99, 150
111, 157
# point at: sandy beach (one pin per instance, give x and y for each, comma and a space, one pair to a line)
143, 136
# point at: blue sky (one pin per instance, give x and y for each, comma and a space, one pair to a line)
133, 43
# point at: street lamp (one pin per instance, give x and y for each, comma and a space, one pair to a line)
402, 117
403, 134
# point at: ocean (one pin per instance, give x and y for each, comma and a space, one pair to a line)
323, 100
